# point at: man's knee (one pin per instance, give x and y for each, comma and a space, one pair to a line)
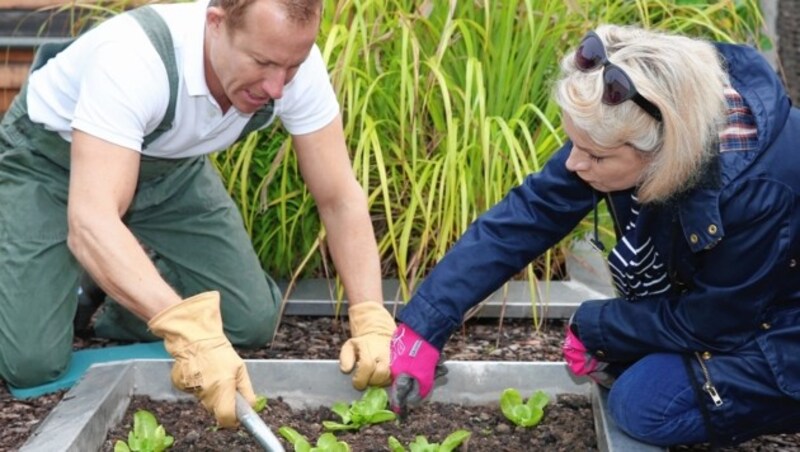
254, 326
253, 331
33, 369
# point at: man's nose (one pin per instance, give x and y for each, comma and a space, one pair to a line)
577, 161
273, 84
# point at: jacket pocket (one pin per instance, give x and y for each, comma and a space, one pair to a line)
779, 341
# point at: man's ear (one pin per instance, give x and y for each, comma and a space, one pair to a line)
215, 18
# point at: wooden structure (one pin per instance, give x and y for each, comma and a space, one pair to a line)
12, 74
22, 29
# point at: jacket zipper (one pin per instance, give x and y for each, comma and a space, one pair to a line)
708, 386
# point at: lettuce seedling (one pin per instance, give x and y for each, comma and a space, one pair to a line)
261, 403
371, 409
327, 442
524, 414
421, 444
147, 435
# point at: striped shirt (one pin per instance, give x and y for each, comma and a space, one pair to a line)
636, 267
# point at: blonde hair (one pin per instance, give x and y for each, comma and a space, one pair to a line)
683, 77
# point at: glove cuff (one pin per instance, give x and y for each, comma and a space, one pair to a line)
195, 318
370, 317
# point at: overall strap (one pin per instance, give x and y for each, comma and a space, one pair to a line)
258, 120
156, 29
48, 50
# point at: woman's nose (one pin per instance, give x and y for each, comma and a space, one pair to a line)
577, 161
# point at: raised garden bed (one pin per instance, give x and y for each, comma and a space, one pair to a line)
98, 403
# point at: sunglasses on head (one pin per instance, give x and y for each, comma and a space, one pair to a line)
617, 86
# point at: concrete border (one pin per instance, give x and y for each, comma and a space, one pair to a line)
81, 421
588, 278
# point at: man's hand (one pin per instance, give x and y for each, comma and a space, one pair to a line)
414, 367
206, 364
366, 353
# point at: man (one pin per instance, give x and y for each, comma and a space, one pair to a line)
103, 154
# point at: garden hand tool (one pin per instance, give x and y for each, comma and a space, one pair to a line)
253, 423
414, 365
367, 350
206, 364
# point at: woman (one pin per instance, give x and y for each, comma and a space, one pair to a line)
696, 150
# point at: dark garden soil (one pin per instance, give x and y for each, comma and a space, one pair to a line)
567, 424
490, 430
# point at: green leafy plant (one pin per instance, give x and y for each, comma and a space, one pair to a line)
327, 442
371, 409
421, 444
523, 413
147, 435
261, 403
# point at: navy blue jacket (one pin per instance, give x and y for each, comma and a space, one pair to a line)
731, 245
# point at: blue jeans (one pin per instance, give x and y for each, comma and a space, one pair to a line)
653, 401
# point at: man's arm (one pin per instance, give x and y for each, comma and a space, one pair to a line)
342, 205
102, 183
103, 180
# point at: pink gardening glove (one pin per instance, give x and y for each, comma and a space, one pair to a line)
579, 361
413, 363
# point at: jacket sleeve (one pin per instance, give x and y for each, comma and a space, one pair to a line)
529, 220
733, 286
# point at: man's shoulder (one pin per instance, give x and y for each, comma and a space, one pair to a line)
178, 16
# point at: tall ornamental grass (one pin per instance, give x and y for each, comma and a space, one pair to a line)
447, 105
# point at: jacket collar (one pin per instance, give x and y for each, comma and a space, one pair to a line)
763, 93
759, 85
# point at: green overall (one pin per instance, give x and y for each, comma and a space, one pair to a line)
180, 211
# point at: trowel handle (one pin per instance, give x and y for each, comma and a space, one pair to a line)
253, 423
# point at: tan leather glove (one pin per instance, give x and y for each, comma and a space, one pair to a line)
367, 350
206, 364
